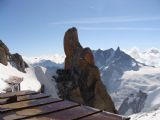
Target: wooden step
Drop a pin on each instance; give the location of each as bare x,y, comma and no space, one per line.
31,97
68,114
24,98
41,110
103,116
19,93
26,104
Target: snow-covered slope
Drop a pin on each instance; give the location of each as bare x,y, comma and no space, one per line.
153,115
153,100
33,79
44,76
45,67
29,82
147,80
151,111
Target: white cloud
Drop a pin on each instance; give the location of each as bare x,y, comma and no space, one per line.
149,57
99,20
119,28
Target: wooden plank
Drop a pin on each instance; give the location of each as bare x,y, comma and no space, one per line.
24,98
31,97
19,93
68,114
26,104
103,116
40,110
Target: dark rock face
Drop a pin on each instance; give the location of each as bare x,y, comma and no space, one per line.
103,58
134,102
4,53
80,80
17,61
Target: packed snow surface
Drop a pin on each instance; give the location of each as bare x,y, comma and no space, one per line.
153,115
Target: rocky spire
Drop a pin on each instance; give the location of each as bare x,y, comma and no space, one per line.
118,49
80,80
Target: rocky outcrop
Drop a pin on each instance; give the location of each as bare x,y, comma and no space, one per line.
4,53
17,61
134,103
80,80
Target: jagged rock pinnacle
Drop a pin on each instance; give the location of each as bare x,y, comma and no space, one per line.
80,80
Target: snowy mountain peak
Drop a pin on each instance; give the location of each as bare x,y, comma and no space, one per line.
118,49
103,57
112,64
114,57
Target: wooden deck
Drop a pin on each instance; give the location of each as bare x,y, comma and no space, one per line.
31,105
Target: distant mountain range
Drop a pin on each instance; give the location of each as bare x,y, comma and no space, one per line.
150,57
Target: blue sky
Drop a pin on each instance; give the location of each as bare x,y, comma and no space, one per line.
36,27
